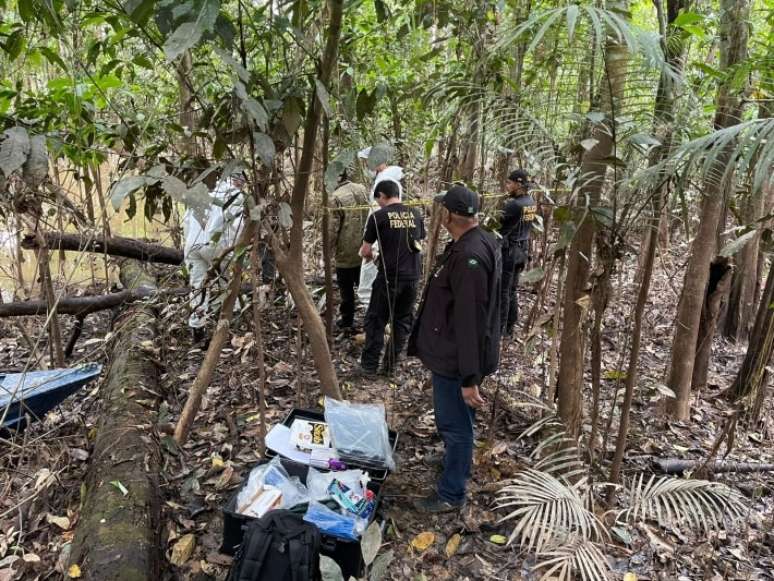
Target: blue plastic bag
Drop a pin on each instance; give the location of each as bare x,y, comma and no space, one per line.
332,523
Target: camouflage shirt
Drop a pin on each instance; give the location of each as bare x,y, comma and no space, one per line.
347,226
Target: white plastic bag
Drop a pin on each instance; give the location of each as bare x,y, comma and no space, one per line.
368,272
317,482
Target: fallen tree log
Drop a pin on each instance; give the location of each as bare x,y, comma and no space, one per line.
678,466
118,533
82,306
114,246
78,306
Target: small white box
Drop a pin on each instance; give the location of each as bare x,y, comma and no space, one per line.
266,499
309,435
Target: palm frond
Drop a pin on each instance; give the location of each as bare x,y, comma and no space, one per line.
714,157
699,504
566,464
558,454
546,510
520,399
509,124
600,24
578,558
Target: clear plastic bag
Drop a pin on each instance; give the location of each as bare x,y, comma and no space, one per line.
318,482
333,523
293,492
359,432
268,478
368,272
252,488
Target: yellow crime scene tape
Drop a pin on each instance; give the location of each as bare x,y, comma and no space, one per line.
411,203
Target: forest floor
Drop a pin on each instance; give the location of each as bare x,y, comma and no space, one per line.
38,513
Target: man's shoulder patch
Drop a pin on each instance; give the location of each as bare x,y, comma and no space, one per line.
473,263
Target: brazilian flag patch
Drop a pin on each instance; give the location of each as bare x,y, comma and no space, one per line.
472,263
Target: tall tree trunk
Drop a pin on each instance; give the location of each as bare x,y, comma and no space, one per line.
446,174
744,286
97,178
717,290
646,274
446,168
741,299
290,260
673,45
600,296
576,298
471,142
260,396
397,129
733,50
46,283
469,153
184,69
523,9
19,259
549,385
326,240
434,235
751,381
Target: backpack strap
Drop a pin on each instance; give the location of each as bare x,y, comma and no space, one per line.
303,545
298,559
312,539
254,549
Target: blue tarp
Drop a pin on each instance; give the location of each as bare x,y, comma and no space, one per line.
36,392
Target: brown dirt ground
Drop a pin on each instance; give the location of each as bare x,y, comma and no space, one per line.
42,469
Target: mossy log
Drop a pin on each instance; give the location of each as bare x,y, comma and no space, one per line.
118,533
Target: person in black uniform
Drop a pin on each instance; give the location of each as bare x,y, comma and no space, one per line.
398,230
457,337
518,216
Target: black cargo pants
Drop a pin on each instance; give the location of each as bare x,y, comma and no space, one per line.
514,260
393,300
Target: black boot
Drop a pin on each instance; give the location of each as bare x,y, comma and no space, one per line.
198,334
345,323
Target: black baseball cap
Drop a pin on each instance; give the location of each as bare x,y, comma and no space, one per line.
519,176
459,200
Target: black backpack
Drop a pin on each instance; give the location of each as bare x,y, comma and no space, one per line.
280,546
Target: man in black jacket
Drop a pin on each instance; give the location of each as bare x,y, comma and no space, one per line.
518,217
457,337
